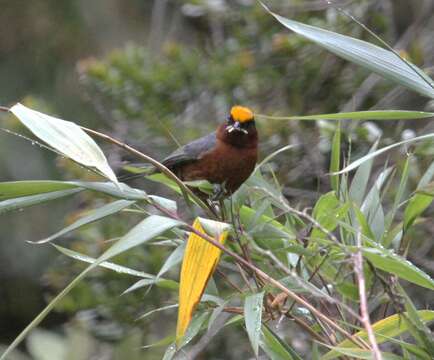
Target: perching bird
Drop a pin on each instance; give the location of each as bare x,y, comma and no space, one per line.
225,158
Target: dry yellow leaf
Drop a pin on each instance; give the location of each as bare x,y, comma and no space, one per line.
200,260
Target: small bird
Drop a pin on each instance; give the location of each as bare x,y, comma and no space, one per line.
225,158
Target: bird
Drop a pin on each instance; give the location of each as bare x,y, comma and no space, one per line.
225,158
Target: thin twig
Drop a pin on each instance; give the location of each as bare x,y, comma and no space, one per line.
229,281
261,274
364,312
277,284
185,190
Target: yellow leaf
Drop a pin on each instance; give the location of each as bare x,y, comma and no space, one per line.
384,329
200,260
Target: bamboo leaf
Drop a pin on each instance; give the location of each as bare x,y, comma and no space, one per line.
66,137
372,155
200,260
357,353
356,115
144,231
376,59
17,189
253,319
361,178
26,201
388,261
95,215
335,159
275,347
107,265
384,329
420,201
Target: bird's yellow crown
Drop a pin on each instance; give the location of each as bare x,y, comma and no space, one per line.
241,114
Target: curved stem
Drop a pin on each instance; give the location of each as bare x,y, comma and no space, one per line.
187,193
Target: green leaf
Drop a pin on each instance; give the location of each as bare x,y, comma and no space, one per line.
160,282
384,329
327,212
427,190
193,328
416,206
147,229
363,354
107,265
163,308
363,223
357,115
95,215
253,319
66,137
360,180
163,179
416,324
170,352
372,155
335,159
382,62
120,190
420,201
398,198
275,347
172,260
372,208
25,201
272,155
14,189
388,261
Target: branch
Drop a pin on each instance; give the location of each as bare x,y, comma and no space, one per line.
265,277
187,193
364,312
278,285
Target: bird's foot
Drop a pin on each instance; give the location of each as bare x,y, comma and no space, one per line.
218,192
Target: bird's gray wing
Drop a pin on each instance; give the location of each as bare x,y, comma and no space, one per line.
191,151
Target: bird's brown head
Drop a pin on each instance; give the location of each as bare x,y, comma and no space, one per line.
239,128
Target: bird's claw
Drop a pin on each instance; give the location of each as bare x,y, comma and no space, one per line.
218,192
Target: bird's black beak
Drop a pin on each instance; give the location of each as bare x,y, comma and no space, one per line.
236,126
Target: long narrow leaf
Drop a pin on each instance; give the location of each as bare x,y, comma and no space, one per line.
144,231
335,159
200,260
388,261
357,115
372,155
384,329
95,215
383,62
16,189
275,347
253,319
26,201
107,265
66,137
